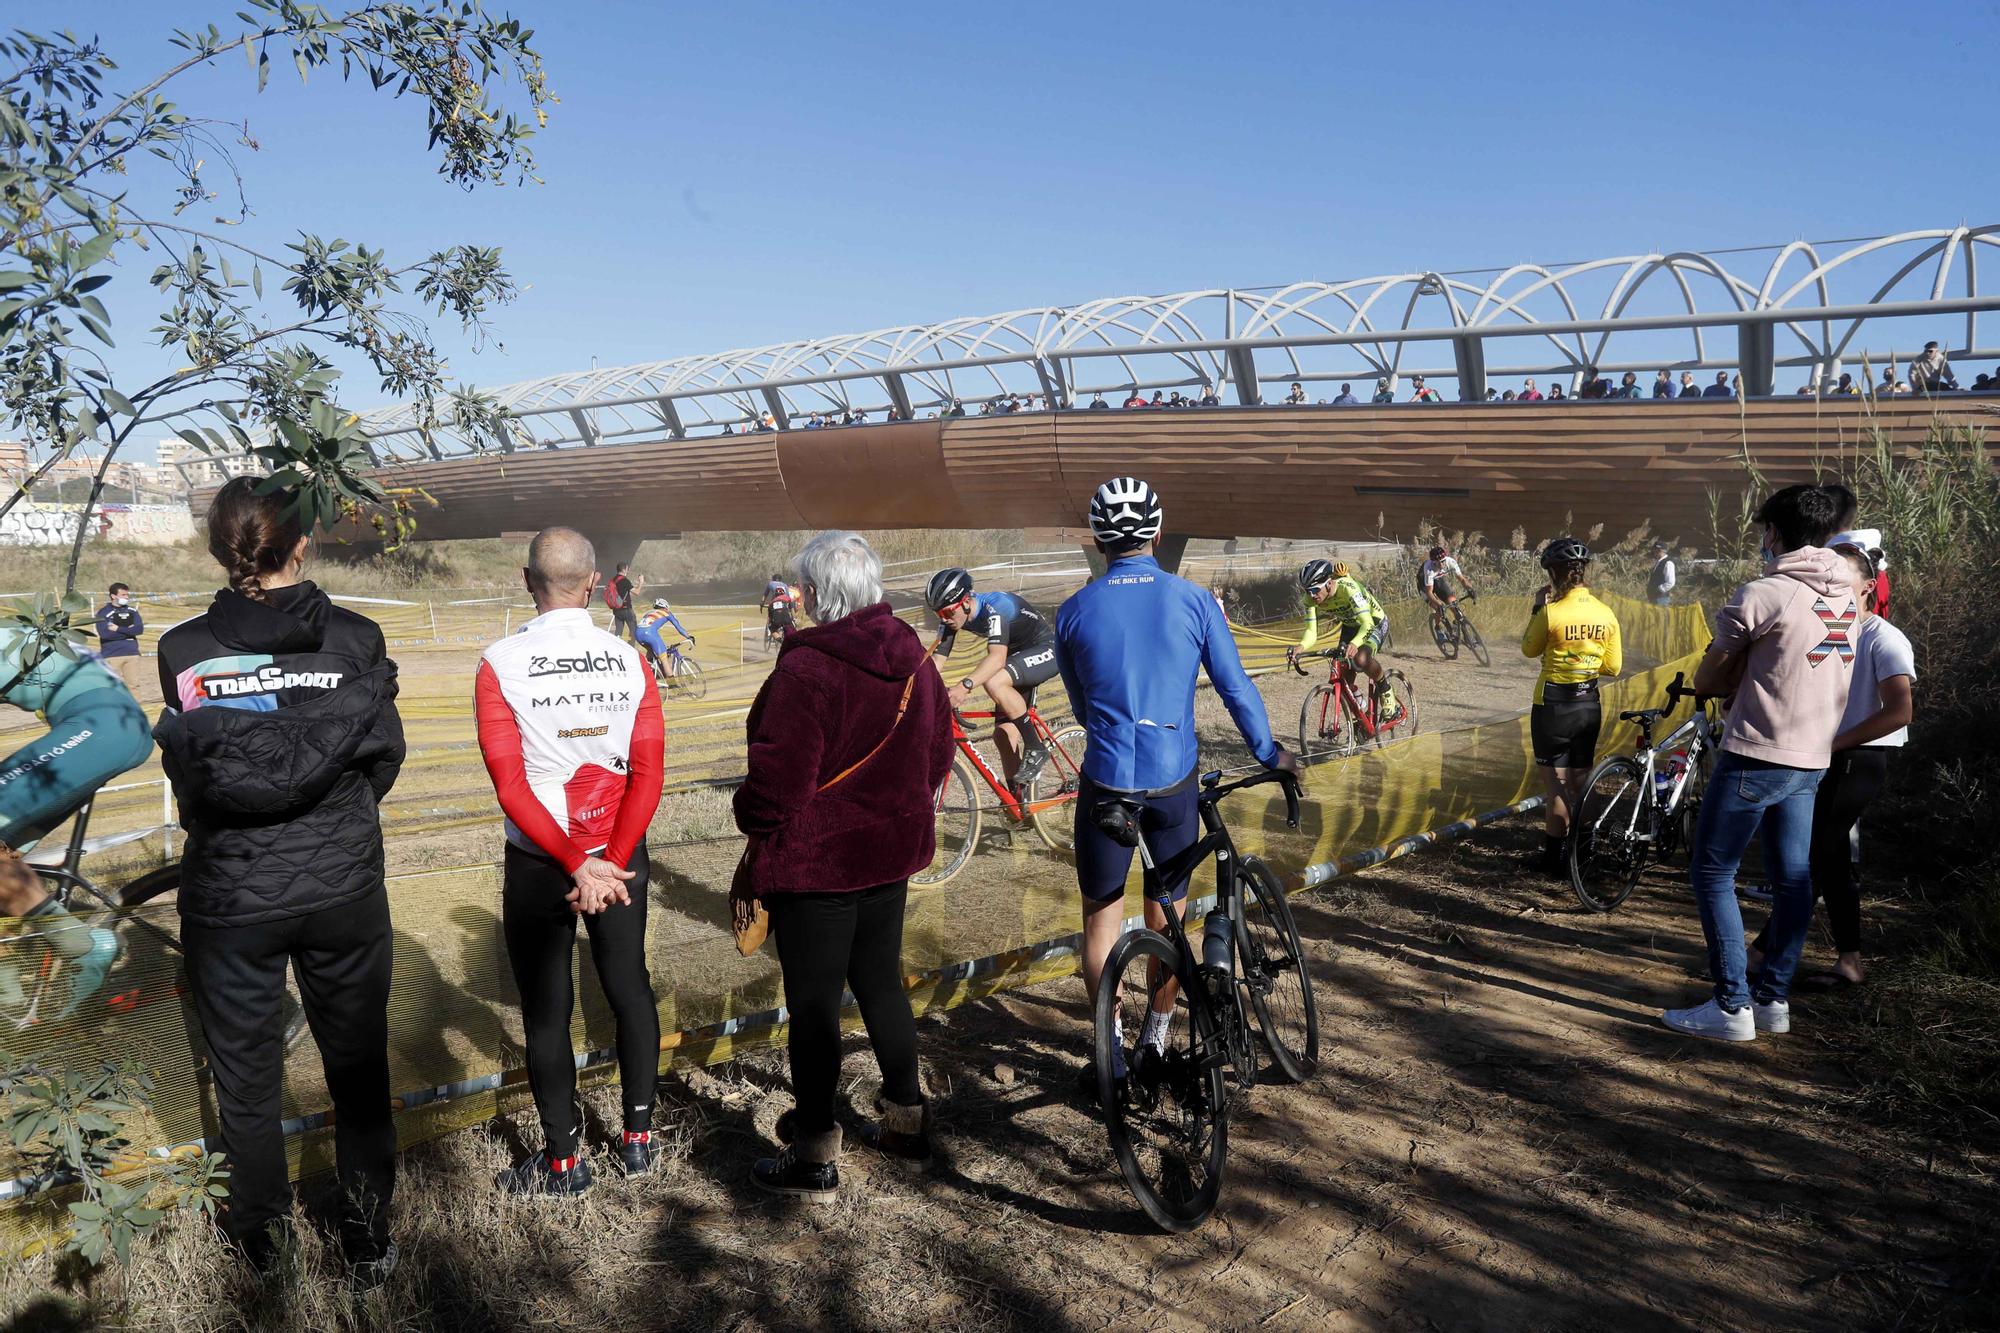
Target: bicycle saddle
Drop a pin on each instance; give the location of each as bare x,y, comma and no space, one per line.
1118,819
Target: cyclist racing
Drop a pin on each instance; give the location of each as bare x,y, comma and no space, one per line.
1433,582
780,607
651,631
96,730
1020,654
1131,645
1577,638
1362,623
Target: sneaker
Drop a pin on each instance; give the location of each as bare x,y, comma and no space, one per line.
537,1178
903,1134
637,1154
789,1174
1774,1018
372,1273
1712,1021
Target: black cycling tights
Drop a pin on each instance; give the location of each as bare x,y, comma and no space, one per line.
541,939
826,940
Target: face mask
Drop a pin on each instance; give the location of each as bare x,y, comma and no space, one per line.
121,601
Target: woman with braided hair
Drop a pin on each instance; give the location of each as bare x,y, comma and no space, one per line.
281,737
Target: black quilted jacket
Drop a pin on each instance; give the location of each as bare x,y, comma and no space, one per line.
280,737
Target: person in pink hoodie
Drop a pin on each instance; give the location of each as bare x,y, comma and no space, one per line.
1784,648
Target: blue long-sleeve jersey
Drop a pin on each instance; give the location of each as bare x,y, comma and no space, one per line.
652,636
1129,645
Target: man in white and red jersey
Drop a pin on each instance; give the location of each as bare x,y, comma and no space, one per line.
570,728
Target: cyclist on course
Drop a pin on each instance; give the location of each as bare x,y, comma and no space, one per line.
1131,644
1020,654
780,607
1433,581
96,731
1577,638
1362,624
652,625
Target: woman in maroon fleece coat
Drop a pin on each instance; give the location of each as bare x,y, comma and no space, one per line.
849,739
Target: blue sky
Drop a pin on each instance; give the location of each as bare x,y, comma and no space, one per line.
728,175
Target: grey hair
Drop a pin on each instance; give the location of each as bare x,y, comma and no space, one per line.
844,573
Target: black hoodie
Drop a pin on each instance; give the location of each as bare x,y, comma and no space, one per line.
280,737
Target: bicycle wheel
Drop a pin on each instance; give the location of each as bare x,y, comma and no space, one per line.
1061,777
1274,971
1607,848
957,825
1323,730
1445,636
1468,633
1406,695
1168,1122
1689,814
687,680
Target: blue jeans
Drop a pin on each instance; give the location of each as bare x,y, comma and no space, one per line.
1744,798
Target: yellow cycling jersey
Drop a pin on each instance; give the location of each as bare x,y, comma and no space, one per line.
1576,636
1350,605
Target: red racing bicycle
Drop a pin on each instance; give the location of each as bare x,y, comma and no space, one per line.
1333,721
1044,806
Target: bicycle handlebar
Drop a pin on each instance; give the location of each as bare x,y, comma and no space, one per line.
1677,691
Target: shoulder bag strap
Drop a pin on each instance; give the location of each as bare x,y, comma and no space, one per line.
909,687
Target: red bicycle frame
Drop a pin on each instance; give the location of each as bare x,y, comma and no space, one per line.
1017,808
1341,676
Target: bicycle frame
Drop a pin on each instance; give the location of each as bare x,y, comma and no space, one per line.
1341,674
1699,733
1015,806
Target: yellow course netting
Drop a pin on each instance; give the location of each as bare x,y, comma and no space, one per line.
456,1053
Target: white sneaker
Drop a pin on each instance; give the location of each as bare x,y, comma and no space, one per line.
1712,1021
1775,1017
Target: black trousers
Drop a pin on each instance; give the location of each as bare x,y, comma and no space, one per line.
831,941
341,958
1852,782
625,623
541,943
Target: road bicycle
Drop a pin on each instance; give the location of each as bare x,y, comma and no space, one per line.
93,905
1333,721
1639,810
1044,806
680,673
1451,630
1168,1117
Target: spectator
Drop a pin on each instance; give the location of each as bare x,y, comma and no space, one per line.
1982,383
1136,400
1529,393
1493,394
619,590
1346,398
279,783
958,407
1660,583
1931,373
852,703
1507,397
1688,387
1556,394
1209,397
576,765
728,429
1874,725
119,626
1421,392
1628,387
860,417
1159,399
1384,393
1297,396
1888,385
1719,389
1845,388
1594,386
1175,399
1782,648
1805,391
1663,384
1097,403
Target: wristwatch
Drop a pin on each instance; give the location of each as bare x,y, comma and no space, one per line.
966,684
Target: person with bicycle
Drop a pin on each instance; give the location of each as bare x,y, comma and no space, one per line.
1433,584
576,755
281,738
1130,646
780,606
1361,620
1578,640
1020,655
96,730
652,633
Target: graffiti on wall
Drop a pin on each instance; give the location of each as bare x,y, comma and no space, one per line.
55,525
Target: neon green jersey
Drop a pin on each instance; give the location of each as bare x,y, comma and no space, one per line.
1349,606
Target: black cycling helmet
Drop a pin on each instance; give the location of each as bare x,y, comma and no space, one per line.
1314,573
948,587
1440,551
1125,512
1564,552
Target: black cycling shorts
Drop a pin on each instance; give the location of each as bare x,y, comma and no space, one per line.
1170,822
1565,734
1032,666
1375,633
778,617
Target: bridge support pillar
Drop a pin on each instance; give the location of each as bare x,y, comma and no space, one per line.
1470,356
1756,357
613,548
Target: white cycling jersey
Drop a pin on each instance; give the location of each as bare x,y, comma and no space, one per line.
1433,570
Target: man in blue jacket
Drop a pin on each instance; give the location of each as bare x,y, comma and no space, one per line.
1130,645
118,629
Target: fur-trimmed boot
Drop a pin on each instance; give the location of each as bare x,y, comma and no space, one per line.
803,1169
903,1134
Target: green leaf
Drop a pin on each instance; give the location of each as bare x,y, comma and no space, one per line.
263,70
119,403
102,334
13,278
257,279
193,437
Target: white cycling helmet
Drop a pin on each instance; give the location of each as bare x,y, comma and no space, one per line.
1124,511
660,604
